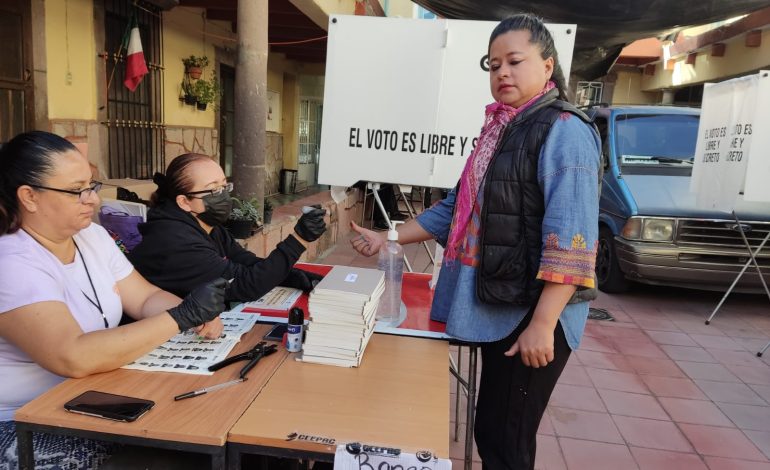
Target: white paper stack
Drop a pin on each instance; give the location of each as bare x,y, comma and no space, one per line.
342,316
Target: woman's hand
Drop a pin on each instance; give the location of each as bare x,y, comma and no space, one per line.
311,224
202,305
366,242
535,344
303,280
211,330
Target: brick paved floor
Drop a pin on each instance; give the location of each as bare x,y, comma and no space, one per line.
654,390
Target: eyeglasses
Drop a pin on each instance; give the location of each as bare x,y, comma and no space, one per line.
82,195
214,192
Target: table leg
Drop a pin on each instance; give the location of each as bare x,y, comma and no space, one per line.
472,350
233,458
25,448
457,393
219,460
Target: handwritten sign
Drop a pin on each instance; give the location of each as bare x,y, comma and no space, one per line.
356,456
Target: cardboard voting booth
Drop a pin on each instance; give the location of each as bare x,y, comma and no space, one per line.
404,99
732,156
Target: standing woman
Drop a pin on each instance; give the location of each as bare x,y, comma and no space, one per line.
520,232
63,286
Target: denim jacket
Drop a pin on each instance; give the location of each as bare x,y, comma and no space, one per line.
567,172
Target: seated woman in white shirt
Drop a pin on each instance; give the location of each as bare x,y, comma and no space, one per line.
63,286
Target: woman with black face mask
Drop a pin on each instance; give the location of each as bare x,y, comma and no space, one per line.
184,243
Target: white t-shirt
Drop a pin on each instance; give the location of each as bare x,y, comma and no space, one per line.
29,274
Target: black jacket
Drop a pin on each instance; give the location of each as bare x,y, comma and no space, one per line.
177,255
512,214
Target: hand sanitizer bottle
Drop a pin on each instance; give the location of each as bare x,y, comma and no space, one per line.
391,261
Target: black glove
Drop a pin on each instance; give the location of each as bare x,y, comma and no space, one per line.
311,225
201,305
303,280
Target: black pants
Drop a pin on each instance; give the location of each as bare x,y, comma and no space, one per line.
512,399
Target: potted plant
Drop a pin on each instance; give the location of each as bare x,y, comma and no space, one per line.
243,217
193,65
188,90
268,215
207,91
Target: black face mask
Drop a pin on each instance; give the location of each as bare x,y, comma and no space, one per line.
216,209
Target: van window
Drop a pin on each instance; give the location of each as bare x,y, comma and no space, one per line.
656,139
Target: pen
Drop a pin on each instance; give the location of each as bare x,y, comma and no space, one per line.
203,391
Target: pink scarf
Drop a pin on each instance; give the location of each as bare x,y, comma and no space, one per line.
497,117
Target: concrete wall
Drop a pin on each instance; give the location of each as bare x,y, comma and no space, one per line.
627,89
182,37
180,140
70,59
738,60
398,8
311,87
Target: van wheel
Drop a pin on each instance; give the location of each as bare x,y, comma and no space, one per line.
608,274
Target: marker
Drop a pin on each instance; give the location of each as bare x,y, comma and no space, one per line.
203,391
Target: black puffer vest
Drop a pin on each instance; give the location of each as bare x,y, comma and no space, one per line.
513,208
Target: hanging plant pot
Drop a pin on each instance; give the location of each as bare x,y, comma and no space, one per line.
190,99
267,217
194,72
239,228
201,106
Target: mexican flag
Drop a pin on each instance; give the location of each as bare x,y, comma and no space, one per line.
136,68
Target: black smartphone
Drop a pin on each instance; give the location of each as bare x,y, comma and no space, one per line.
276,332
109,406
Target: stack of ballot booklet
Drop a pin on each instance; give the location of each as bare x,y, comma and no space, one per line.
342,316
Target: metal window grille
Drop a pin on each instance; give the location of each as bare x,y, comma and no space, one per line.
588,93
309,130
134,119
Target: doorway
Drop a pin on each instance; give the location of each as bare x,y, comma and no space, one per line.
16,86
310,112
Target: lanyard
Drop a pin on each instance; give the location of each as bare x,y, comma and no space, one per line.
96,303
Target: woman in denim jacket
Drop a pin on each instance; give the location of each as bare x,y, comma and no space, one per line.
524,346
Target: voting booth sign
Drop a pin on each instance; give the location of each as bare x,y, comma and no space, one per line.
732,155
404,98
732,159
757,187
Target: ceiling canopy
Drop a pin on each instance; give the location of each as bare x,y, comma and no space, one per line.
604,26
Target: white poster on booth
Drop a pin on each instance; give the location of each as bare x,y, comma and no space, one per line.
724,140
404,99
757,186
